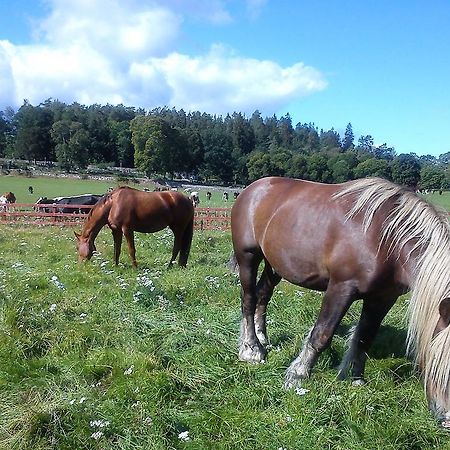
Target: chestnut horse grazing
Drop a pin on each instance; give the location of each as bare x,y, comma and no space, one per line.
126,210
367,239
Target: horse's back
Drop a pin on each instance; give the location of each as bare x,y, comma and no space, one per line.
300,228
149,211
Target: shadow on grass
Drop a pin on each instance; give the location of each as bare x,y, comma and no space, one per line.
389,342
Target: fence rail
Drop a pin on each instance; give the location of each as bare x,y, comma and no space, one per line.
52,214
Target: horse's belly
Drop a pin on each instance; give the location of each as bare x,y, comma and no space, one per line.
295,268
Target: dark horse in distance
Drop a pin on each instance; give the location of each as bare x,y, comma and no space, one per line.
126,210
366,239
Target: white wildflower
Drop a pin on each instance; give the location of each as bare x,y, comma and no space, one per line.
301,391
99,423
129,371
82,399
52,307
97,435
200,321
184,436
56,282
148,421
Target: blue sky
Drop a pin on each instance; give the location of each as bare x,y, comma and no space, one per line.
384,66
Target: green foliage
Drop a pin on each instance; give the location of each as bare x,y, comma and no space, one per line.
94,356
432,177
406,170
33,139
349,137
373,167
231,149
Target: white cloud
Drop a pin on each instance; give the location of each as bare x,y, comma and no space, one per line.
124,51
223,82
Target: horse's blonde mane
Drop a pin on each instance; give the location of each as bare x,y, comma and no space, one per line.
412,219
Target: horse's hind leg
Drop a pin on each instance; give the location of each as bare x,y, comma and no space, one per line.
129,236
250,349
117,237
373,312
177,241
186,241
335,304
264,290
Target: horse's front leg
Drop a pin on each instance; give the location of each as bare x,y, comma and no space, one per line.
250,349
335,304
129,236
117,237
373,312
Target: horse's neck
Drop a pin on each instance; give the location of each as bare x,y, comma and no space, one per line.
96,221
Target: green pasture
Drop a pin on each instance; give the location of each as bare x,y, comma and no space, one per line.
94,356
66,186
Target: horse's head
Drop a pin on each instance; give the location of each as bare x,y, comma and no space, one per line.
440,398
85,247
10,197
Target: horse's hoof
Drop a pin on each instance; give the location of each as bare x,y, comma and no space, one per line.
294,380
252,353
291,382
358,382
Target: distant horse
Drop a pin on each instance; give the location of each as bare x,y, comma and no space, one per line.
7,199
195,199
126,210
367,239
83,199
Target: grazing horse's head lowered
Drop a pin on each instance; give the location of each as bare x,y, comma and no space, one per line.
367,239
126,210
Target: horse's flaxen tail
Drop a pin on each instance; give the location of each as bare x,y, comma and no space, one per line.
186,243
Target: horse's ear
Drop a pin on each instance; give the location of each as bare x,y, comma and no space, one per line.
444,311
77,235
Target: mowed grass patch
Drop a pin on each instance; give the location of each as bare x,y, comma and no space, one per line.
94,356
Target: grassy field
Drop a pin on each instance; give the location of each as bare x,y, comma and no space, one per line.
55,187
94,356
58,186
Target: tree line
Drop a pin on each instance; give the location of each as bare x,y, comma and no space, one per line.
231,149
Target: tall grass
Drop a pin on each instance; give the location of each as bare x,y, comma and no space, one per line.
94,356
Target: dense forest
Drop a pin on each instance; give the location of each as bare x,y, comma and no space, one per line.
232,149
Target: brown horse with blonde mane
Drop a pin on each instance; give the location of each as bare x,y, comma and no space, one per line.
126,210
366,239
